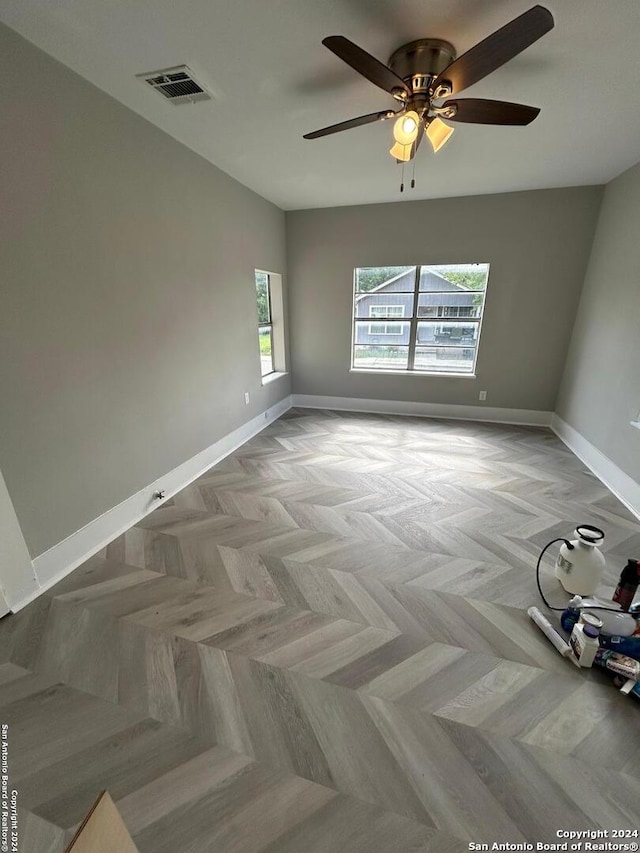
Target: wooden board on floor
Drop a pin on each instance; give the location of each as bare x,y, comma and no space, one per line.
102,831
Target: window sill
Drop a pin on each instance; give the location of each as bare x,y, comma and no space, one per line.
416,373
271,377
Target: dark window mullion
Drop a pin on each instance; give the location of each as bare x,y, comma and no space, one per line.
413,329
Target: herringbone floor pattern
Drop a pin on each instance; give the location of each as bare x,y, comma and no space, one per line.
322,645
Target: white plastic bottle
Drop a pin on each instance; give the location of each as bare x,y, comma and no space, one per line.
579,568
584,642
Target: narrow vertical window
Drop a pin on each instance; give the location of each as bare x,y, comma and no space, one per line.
265,322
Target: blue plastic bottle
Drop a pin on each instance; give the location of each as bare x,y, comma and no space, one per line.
571,615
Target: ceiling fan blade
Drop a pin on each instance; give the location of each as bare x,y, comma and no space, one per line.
365,64
480,111
354,122
496,49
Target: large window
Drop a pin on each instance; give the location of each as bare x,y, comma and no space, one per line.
441,307
265,322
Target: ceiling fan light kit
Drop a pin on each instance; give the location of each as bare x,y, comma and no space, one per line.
405,130
438,133
401,153
422,73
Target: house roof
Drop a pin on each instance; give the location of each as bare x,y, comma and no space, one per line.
386,284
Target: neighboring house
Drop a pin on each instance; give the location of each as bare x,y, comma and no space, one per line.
438,299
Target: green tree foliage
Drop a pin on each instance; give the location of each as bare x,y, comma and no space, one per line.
265,343
262,297
370,277
472,279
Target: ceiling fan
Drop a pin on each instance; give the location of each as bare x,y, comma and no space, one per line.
422,74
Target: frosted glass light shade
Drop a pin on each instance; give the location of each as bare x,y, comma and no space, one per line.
405,130
438,133
401,152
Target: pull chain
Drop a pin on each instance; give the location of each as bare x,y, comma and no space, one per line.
413,176
402,179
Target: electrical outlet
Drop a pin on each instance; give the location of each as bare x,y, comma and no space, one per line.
246,398
483,395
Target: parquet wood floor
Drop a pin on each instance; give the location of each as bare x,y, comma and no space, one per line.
322,645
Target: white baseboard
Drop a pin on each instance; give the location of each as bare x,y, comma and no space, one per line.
622,485
54,564
523,417
4,607
27,592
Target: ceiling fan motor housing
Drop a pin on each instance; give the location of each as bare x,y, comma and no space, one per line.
419,62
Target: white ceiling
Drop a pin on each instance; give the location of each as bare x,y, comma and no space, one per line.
273,81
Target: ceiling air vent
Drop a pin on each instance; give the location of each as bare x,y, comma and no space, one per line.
177,85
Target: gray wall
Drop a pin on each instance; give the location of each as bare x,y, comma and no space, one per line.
127,305
537,243
600,392
17,578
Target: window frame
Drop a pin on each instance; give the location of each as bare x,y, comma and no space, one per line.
268,325
414,319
